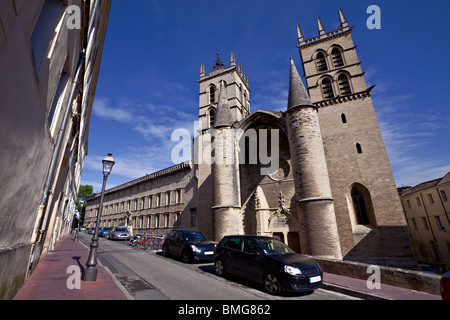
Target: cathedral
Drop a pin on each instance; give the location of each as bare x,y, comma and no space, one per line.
315,175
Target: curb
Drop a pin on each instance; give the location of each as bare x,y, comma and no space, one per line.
352,292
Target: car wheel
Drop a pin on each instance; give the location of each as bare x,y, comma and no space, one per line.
185,256
165,251
272,284
219,268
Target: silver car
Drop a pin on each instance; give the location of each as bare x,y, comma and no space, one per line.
119,233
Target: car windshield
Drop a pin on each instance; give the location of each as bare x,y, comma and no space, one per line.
273,246
121,229
194,236
106,229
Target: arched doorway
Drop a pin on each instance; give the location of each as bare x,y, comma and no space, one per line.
362,205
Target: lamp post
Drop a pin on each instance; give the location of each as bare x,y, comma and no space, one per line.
90,273
77,229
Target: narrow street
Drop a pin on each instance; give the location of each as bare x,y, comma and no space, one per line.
147,275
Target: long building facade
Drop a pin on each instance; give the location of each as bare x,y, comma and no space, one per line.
50,53
427,211
316,175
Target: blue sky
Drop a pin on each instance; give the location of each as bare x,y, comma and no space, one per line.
153,51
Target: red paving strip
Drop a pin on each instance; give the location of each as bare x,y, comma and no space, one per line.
385,291
50,278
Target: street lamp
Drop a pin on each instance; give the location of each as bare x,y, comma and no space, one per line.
90,273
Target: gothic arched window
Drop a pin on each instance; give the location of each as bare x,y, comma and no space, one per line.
327,89
321,62
212,94
212,117
336,57
344,84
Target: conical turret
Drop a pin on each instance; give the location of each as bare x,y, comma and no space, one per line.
315,208
224,117
298,96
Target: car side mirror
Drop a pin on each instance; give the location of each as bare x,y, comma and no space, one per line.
255,252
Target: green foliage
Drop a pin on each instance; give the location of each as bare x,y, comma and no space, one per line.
83,193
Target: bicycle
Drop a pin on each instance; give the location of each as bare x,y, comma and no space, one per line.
146,242
157,243
153,243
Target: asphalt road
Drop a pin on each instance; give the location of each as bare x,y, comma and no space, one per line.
147,275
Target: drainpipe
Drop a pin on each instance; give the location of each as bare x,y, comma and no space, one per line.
47,196
94,13
66,116
54,238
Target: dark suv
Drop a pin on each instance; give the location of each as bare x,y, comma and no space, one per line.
189,245
268,261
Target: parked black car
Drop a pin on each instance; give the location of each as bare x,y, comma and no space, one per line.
268,261
189,245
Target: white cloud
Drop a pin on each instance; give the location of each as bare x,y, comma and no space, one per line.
102,108
274,95
151,150
411,131
408,134
130,165
152,122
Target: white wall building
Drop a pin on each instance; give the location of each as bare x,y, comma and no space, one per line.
50,53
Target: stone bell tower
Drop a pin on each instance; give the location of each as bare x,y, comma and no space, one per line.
238,92
314,202
369,215
224,101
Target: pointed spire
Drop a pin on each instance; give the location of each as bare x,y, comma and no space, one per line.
223,114
320,25
300,35
233,60
343,20
202,70
298,96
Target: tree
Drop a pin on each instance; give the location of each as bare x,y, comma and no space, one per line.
83,193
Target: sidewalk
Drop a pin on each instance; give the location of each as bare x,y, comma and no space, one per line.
358,288
49,281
